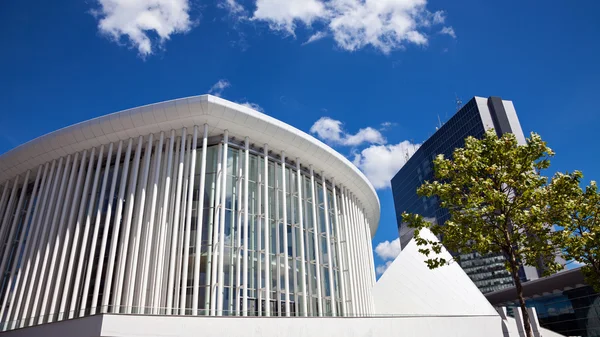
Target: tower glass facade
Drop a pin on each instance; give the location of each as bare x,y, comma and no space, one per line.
473,119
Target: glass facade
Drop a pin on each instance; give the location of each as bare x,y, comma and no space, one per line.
573,312
169,225
487,272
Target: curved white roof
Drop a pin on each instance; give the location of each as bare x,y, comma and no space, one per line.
220,115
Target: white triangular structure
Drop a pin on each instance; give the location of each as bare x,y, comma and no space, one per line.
409,287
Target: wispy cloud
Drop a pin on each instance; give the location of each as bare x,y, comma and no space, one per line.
232,6
448,31
253,106
315,37
387,125
136,21
218,88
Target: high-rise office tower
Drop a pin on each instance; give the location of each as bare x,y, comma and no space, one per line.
473,119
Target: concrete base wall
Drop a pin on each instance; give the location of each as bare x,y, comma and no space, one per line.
181,326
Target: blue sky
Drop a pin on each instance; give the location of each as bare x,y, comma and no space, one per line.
388,68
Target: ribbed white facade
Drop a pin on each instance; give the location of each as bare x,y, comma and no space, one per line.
198,206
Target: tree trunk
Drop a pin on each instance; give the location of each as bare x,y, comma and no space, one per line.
525,314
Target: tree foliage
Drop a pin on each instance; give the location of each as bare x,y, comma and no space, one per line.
498,204
497,200
577,211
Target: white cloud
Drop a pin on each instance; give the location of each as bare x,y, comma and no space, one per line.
284,14
366,135
381,162
448,31
380,269
439,17
387,250
387,125
253,106
315,37
327,129
385,25
330,130
232,6
218,88
138,20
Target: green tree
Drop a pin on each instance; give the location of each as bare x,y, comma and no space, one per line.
578,212
497,200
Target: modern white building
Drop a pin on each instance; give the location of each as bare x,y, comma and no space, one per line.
196,206
157,220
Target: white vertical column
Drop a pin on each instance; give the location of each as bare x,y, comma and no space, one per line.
68,206
303,289
30,246
309,239
276,237
171,226
46,240
370,262
238,244
115,234
316,241
135,267
177,196
354,247
371,258
164,222
267,232
340,259
13,226
63,227
124,241
349,253
360,244
136,231
8,210
188,222
199,223
148,237
156,253
3,198
181,227
113,263
368,273
259,239
84,240
245,228
213,258
365,257
42,221
98,218
286,273
221,280
358,255
147,254
329,245
82,201
10,286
